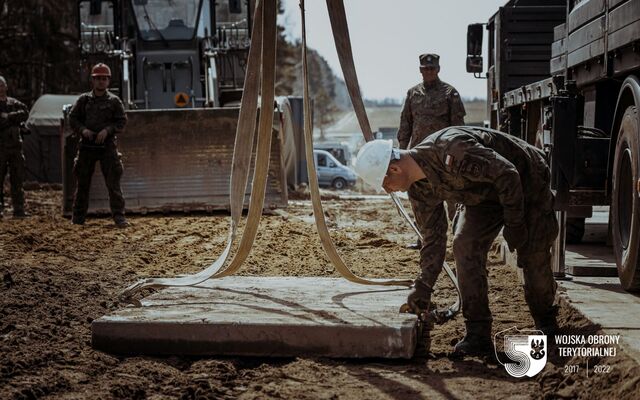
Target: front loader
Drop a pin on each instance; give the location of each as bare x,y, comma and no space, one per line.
179,68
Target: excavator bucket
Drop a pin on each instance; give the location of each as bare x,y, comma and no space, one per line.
177,160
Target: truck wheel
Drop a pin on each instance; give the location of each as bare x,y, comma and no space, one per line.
339,184
625,204
575,230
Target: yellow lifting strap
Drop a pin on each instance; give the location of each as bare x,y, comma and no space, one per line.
262,51
318,212
261,60
340,28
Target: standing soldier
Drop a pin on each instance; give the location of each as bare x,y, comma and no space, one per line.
96,117
430,106
501,182
12,114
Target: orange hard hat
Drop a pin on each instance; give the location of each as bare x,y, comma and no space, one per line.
101,70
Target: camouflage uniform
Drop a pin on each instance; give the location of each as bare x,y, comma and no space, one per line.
497,180
96,113
428,108
11,156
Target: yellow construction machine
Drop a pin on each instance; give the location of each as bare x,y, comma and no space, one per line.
179,68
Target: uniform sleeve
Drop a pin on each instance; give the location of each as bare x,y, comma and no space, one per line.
406,124
456,109
77,115
432,223
478,163
18,116
119,117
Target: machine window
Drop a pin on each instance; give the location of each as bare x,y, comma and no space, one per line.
167,19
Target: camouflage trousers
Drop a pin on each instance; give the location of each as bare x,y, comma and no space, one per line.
12,161
83,168
475,229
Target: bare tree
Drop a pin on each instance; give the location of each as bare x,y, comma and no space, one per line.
38,47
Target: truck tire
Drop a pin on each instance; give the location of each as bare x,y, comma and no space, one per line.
625,202
575,230
339,184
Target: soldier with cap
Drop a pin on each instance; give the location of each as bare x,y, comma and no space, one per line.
12,114
430,106
97,117
501,182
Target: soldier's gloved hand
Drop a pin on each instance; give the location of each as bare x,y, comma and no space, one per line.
419,299
4,115
515,235
102,135
87,133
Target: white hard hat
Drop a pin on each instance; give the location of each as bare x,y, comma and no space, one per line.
372,162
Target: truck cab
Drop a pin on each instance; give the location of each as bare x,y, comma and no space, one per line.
564,75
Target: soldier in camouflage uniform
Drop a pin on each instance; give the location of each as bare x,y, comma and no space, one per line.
97,117
499,181
430,106
12,114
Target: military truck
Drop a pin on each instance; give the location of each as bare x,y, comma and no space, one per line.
179,67
565,75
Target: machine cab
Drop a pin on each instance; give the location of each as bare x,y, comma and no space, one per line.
169,54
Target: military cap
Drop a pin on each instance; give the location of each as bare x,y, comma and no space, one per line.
429,60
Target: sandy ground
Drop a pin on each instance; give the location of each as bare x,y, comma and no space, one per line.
57,278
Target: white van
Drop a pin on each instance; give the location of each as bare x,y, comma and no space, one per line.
331,172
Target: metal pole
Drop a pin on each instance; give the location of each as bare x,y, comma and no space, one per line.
558,248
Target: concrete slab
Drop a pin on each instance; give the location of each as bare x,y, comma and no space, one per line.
264,316
603,302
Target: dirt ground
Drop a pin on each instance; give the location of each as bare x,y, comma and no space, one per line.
57,278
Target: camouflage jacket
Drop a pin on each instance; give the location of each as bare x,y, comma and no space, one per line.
427,109
10,126
476,167
97,113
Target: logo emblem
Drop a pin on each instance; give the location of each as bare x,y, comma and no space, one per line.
527,353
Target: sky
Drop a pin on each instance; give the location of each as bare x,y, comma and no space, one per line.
387,36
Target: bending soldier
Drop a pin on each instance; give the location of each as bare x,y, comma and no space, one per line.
12,114
500,181
97,117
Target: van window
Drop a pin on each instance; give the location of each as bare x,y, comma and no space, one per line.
338,153
322,160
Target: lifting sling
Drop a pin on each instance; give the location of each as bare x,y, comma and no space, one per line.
260,77
340,28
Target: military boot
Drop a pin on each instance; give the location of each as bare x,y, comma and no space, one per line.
20,214
477,340
77,219
547,324
120,220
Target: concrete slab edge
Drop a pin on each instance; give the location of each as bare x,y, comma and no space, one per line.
260,341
